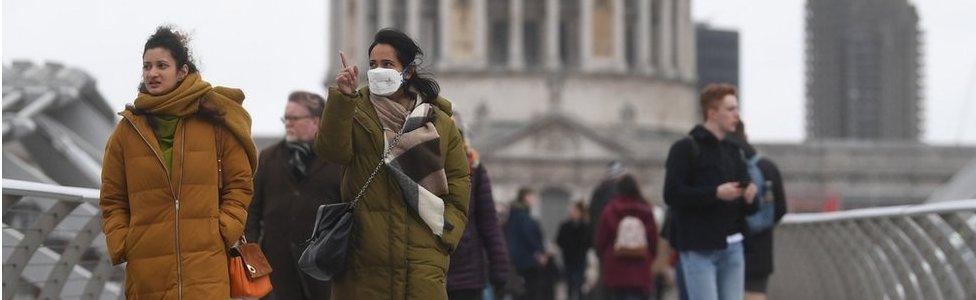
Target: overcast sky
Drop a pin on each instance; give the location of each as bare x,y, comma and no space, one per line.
269,50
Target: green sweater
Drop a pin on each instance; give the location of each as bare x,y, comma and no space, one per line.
165,131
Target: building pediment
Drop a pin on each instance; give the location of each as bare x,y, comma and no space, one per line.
557,137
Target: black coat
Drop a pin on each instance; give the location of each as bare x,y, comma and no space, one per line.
282,214
759,247
574,240
701,221
602,194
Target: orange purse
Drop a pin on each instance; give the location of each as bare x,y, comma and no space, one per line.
248,267
249,271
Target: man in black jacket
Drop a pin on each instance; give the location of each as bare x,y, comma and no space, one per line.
708,189
289,186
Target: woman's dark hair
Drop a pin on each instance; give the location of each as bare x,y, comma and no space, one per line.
627,186
524,193
176,42
173,41
739,137
411,56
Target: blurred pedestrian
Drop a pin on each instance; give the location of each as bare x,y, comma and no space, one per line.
526,245
627,242
482,251
759,243
290,185
604,192
574,241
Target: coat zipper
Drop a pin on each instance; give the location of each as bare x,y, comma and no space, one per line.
179,255
179,261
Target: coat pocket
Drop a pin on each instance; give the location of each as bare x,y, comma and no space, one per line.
119,253
218,238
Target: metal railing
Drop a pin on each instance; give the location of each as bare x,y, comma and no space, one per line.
53,247
906,252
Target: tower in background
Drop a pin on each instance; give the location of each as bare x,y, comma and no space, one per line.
718,56
863,70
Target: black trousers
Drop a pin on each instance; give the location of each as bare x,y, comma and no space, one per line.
534,284
465,294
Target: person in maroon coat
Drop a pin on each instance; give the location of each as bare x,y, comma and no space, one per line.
482,240
626,276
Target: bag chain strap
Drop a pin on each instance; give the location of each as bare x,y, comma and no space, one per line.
376,170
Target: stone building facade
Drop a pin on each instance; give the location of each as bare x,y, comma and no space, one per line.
552,91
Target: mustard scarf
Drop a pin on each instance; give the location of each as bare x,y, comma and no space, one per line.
185,100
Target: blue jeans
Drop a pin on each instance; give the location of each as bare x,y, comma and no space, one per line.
714,275
680,280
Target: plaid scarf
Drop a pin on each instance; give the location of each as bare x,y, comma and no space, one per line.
416,161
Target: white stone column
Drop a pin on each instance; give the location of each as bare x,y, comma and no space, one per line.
643,38
336,31
443,10
665,40
619,61
516,59
472,18
551,57
385,14
363,38
686,42
586,34
413,20
481,34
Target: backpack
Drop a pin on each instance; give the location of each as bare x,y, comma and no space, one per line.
668,227
762,219
631,240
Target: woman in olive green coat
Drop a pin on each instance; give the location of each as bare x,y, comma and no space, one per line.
400,246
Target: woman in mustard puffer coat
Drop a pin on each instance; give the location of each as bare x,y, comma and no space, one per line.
172,204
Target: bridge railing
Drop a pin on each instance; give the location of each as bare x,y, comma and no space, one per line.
53,247
923,251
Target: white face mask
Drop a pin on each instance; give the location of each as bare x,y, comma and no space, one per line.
384,82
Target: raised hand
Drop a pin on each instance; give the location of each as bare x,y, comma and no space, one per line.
348,77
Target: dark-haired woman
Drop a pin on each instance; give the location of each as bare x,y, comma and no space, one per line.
414,211
758,252
626,272
176,178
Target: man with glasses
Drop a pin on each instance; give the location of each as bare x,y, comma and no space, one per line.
289,186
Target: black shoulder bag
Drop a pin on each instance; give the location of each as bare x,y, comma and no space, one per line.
326,251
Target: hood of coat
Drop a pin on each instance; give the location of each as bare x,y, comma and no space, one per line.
628,206
702,135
